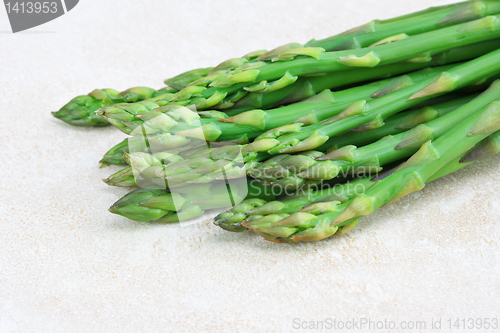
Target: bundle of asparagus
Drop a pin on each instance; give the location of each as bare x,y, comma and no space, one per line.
297,141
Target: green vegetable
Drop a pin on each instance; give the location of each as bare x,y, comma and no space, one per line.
249,210
411,24
301,119
363,111
310,137
451,148
374,32
382,152
80,111
160,205
148,117
370,158
275,84
296,61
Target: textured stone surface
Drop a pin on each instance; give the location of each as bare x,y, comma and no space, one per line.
67,265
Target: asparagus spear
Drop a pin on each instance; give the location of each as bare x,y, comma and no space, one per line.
163,142
397,123
415,23
409,177
248,125
159,205
129,117
363,112
126,176
287,167
382,107
123,178
393,125
307,86
430,130
212,132
177,119
426,20
280,68
80,111
363,36
351,159
249,210
312,136
252,210
115,154
183,80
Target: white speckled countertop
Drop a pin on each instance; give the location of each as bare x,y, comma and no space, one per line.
67,265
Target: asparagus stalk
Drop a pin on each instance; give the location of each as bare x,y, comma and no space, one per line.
122,178
312,136
393,125
307,86
177,119
430,19
351,159
409,177
80,111
294,170
127,118
163,142
297,169
357,114
255,209
115,154
185,79
213,132
160,205
315,201
380,149
360,37
415,23
279,69
249,124
397,123
363,112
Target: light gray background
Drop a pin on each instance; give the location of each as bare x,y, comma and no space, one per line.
67,265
